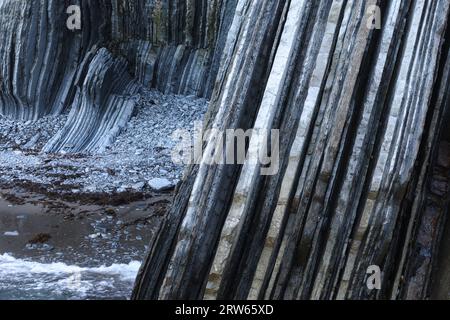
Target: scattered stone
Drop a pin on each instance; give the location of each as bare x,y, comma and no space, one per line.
46,247
160,184
138,186
11,234
33,141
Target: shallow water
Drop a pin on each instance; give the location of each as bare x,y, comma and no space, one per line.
89,254
22,279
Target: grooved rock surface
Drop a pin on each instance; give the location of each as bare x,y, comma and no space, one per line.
359,173
47,69
102,107
363,176
39,57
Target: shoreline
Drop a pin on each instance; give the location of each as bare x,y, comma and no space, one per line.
56,229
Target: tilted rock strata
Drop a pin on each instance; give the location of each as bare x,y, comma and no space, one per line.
39,57
355,186
363,171
103,105
172,46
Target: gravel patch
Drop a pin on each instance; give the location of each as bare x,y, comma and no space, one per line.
141,154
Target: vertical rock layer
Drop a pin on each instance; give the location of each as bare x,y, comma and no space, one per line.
102,106
174,46
40,56
363,157
363,172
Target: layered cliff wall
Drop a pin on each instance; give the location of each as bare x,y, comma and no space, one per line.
40,57
174,46
361,107
363,173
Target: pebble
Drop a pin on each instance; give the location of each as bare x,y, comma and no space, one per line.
11,234
160,184
138,186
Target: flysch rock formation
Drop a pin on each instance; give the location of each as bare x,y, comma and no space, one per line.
47,69
364,159
101,108
360,102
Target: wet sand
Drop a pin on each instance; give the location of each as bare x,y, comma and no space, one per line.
34,227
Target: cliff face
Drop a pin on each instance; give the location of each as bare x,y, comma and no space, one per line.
364,154
363,179
39,58
48,69
173,45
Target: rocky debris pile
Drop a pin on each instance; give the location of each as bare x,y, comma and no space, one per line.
28,135
147,141
140,159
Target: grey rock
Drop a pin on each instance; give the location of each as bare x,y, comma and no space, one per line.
138,186
360,114
160,184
